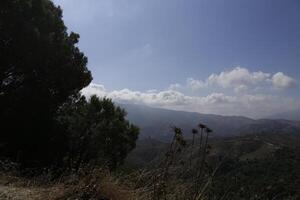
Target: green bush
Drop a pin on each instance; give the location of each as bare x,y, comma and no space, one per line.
98,132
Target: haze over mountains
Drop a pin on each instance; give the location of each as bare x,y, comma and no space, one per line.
156,123
291,115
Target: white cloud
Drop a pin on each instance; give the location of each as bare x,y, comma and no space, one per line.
241,89
241,81
259,105
238,78
94,89
152,91
163,98
195,84
282,81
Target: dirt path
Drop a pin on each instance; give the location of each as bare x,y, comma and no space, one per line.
27,193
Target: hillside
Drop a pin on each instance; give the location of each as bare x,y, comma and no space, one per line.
156,123
261,166
248,147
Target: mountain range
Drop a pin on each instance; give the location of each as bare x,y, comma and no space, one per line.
156,123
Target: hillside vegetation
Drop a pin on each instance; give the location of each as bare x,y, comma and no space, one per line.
263,166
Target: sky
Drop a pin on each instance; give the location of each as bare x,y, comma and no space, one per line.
229,57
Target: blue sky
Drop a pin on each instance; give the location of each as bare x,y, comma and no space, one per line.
218,53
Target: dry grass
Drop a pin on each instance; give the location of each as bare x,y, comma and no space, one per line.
114,191
87,184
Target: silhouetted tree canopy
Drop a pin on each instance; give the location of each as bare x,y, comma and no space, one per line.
40,68
98,132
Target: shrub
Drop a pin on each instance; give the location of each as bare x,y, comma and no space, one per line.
97,132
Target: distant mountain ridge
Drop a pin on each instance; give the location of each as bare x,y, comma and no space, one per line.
156,123
291,115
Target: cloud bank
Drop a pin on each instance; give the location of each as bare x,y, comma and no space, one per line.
247,104
240,79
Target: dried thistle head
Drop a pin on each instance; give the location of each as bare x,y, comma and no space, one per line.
177,131
194,131
201,126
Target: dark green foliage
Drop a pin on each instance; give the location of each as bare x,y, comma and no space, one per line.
98,132
261,167
40,67
276,177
